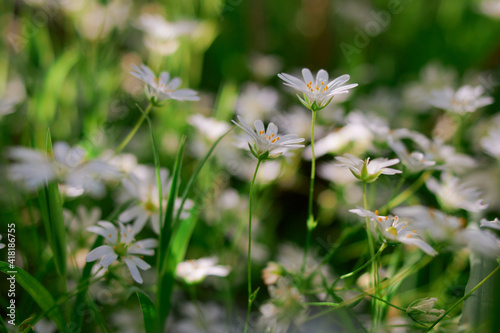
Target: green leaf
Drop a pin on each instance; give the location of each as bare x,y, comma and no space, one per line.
181,236
38,292
148,312
51,209
166,228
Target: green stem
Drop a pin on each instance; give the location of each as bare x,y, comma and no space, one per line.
373,259
403,196
250,244
134,130
310,217
463,298
382,248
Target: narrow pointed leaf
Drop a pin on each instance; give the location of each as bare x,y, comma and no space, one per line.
38,292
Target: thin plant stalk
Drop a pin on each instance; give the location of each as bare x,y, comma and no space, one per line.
372,258
250,300
310,216
135,129
403,196
463,298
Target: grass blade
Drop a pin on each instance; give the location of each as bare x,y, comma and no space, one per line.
148,312
165,234
195,174
38,292
181,236
51,209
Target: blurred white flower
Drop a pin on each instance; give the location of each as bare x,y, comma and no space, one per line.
142,185
2,245
156,26
438,225
123,246
256,103
297,120
271,273
466,99
415,161
162,37
434,76
445,156
367,171
454,194
163,87
317,92
211,128
391,228
96,21
491,142
359,133
268,144
264,65
284,308
14,94
69,166
195,271
31,167
490,8
480,241
495,224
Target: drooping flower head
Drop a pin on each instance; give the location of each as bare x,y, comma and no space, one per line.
393,229
318,92
163,87
268,144
367,171
123,246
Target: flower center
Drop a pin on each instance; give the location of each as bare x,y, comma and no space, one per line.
392,231
121,249
318,88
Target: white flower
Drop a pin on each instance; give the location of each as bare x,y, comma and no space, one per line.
163,87
490,8
433,76
69,166
491,142
391,228
480,241
466,99
437,224
317,92
211,128
158,27
367,171
445,156
256,103
415,161
31,167
14,93
2,245
123,246
284,308
495,224
195,271
142,186
456,195
268,144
